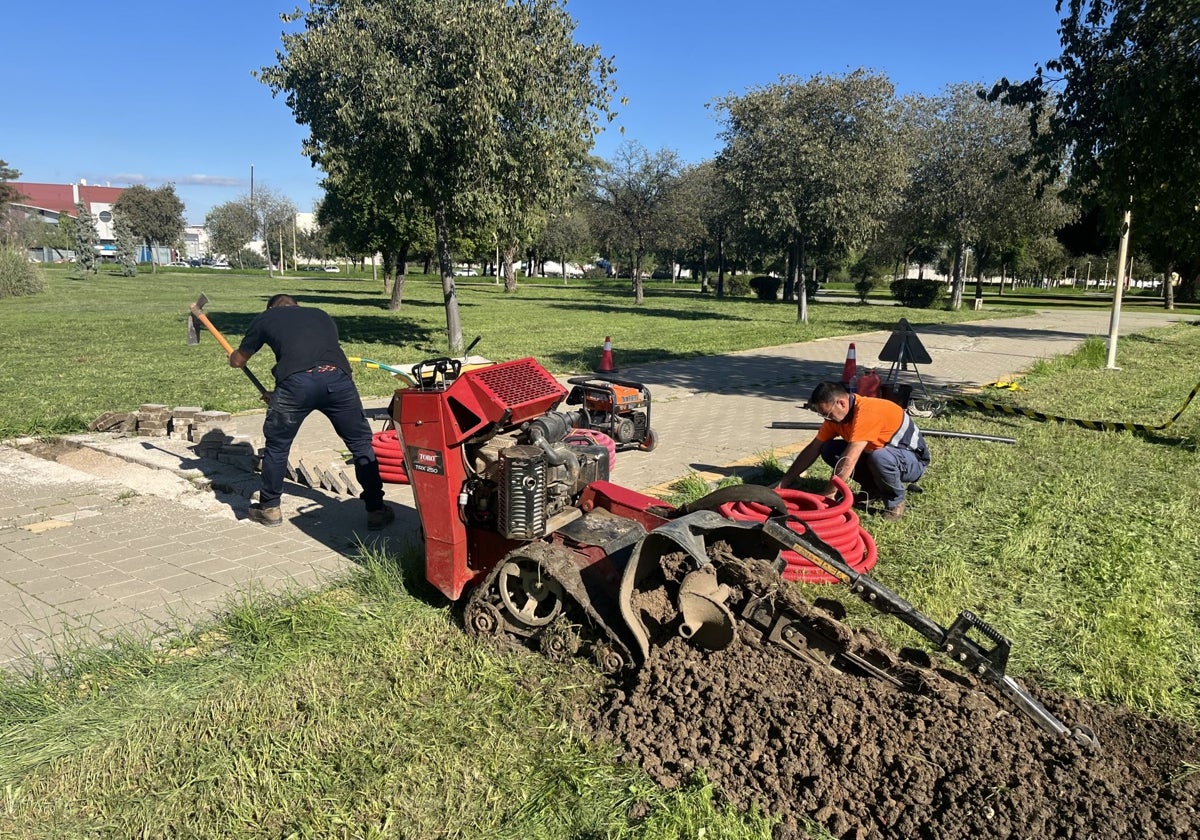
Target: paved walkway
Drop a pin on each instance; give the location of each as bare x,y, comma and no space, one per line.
129,534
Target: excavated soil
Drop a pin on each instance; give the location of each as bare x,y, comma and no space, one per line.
864,760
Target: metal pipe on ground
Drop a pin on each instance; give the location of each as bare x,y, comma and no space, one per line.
779,424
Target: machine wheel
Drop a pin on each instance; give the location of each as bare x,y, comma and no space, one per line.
529,595
482,619
608,659
559,642
651,441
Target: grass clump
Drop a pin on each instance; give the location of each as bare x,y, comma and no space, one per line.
18,276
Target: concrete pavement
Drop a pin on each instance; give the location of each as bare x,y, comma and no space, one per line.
102,534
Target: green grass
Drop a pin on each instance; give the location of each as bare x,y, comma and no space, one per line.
359,712
107,343
364,711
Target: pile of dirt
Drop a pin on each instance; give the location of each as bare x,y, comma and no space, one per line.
865,760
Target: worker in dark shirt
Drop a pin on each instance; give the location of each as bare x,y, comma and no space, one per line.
311,374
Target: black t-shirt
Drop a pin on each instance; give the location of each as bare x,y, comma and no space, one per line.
302,338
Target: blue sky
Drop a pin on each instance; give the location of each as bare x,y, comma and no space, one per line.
145,92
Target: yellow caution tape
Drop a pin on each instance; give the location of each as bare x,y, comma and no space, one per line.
1097,425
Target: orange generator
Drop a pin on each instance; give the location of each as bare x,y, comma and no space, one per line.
618,408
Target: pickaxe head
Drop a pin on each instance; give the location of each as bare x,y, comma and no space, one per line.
193,323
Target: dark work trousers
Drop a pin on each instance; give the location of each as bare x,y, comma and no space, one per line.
882,473
331,392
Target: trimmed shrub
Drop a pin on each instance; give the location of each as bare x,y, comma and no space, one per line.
18,276
595,273
737,285
918,294
766,287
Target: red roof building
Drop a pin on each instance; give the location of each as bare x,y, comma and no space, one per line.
49,201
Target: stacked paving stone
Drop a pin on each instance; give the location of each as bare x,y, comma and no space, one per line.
207,432
153,420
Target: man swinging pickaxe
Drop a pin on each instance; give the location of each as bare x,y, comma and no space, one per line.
193,337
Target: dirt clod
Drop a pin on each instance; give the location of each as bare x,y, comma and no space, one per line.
867,760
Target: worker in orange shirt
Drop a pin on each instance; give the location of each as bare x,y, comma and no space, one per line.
868,440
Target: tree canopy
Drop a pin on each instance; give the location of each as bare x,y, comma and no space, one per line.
478,110
154,215
816,163
1116,112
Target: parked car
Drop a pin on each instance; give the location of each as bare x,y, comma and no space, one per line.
465,272
180,264
221,265
332,269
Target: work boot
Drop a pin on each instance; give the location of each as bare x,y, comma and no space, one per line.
378,519
269,516
862,500
894,513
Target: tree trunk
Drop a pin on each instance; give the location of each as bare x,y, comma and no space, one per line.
956,278
387,269
721,267
801,290
508,257
401,268
790,274
1169,287
638,290
449,291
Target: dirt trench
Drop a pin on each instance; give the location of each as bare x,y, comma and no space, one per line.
864,760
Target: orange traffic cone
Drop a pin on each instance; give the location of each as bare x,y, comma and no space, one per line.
606,359
850,369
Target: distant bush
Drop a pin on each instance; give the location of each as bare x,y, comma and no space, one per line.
864,287
18,276
595,273
918,294
766,287
249,258
737,285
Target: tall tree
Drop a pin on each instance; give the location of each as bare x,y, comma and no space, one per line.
1122,118
275,215
365,217
86,239
230,226
968,188
127,246
816,164
479,109
635,197
154,215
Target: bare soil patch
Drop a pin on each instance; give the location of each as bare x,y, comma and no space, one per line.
865,760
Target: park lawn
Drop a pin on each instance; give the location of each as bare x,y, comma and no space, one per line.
364,711
109,343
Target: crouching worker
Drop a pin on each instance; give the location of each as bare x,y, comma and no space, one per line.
868,440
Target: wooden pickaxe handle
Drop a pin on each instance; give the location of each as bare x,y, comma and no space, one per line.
203,319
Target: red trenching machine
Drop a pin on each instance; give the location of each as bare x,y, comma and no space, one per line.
523,527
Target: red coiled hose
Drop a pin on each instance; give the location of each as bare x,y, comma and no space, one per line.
835,523
391,460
